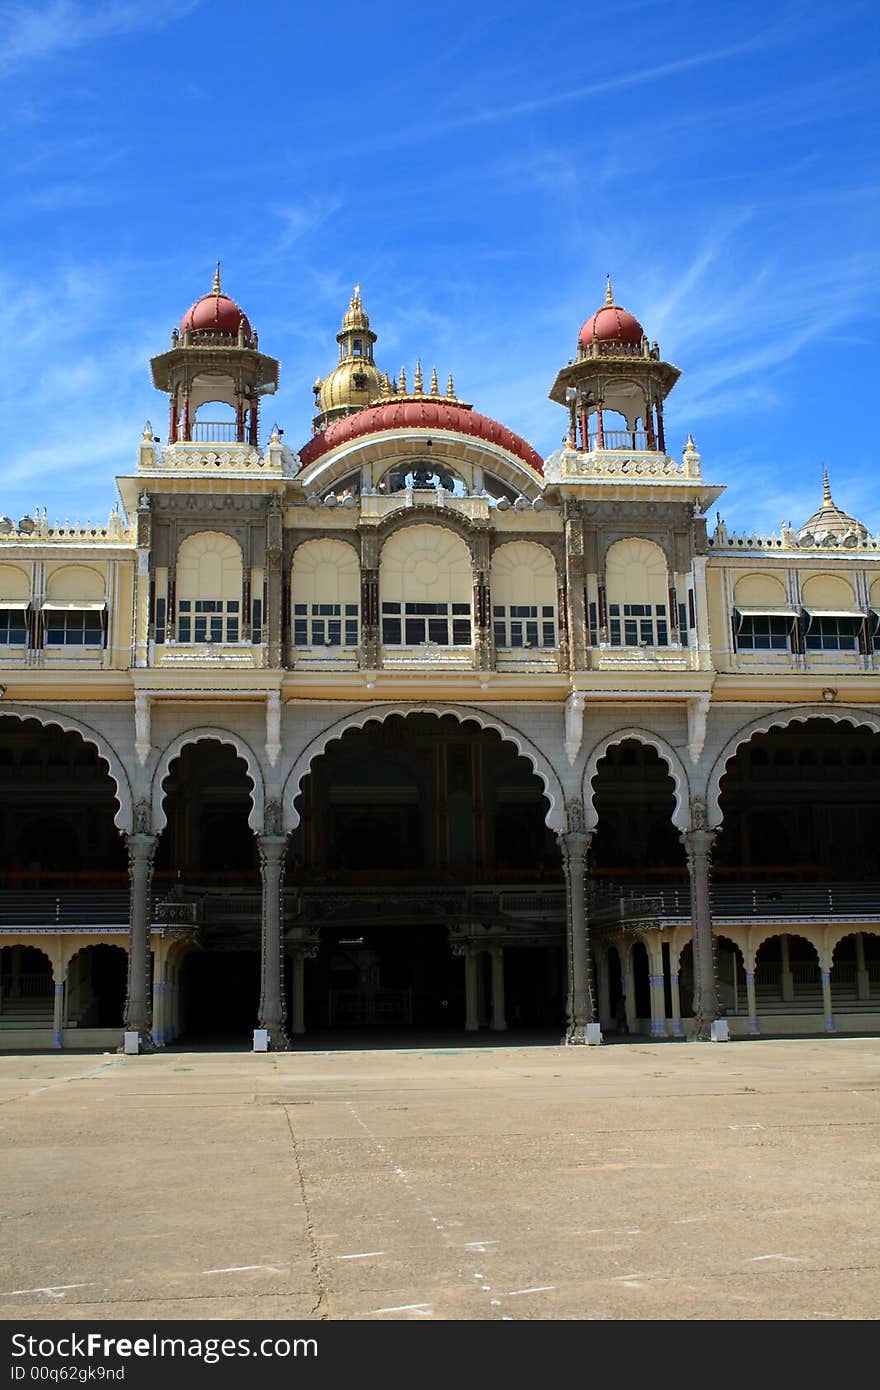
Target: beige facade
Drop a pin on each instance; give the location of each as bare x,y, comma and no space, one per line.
414,729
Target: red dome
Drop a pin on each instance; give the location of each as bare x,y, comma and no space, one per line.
216,313
428,413
611,324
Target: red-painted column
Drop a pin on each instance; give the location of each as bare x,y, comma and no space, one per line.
600,429
239,419
585,438
187,426
651,440
661,438
172,421
254,426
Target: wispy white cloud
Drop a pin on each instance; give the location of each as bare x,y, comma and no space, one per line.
31,33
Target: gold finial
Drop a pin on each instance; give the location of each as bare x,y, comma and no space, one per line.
450,388
826,490
435,388
215,288
355,301
403,380
609,297
384,385
417,383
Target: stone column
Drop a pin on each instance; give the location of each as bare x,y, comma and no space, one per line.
658,1005
471,990
698,843
499,1021
787,981
826,1001
752,1003
604,990
58,1012
160,1028
627,980
141,853
863,980
676,1003
580,1007
272,1017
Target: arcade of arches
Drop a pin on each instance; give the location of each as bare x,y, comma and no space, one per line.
422,889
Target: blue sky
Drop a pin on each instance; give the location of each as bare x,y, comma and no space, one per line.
478,169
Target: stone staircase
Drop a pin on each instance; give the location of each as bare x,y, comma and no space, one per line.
17,1014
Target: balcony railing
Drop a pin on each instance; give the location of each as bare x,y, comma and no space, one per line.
629,903
215,432
619,439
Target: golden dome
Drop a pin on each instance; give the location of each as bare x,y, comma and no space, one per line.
355,317
350,386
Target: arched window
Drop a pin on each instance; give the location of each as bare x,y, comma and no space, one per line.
209,588
762,620
523,596
15,593
426,588
325,595
74,611
832,619
637,595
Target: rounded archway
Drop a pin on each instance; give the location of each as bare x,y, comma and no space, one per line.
633,804
424,868
95,987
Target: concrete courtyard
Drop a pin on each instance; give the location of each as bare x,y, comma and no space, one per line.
640,1180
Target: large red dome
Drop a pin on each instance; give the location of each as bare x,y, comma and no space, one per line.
611,324
215,313
427,413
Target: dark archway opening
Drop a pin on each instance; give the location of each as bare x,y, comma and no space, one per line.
219,997
426,836
95,987
634,799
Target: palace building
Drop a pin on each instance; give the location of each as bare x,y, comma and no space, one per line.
414,729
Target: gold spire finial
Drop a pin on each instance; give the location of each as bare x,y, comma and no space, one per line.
356,297
417,383
609,297
215,288
826,490
435,388
450,388
402,380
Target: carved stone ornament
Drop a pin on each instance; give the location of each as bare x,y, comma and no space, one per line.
142,820
699,816
273,818
575,815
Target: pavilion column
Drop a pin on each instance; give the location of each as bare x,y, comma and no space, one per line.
675,992
600,428
471,990
141,854
580,1007
826,1001
698,843
658,1002
603,982
273,850
58,1004
499,1020
863,980
661,437
752,1002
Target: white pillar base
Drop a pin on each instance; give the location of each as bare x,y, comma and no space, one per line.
261,1040
594,1034
131,1044
719,1031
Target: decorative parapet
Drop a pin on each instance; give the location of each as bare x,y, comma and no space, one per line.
579,465
380,505
196,458
788,539
37,529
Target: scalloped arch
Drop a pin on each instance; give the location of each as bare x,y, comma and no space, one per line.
200,735
23,939
555,817
800,714
681,786
115,766
92,945
832,942
768,933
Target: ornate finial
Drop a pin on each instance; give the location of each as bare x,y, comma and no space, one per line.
826,490
403,380
435,388
450,388
417,382
215,288
609,297
384,385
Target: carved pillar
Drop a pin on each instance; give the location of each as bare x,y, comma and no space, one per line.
273,617
826,1001
141,854
482,602
580,1008
574,566
370,618
752,1002
661,437
172,418
658,1002
58,1006
676,1003
698,843
499,1020
273,848
471,990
